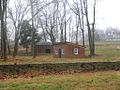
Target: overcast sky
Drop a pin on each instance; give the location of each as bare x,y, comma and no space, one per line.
108,14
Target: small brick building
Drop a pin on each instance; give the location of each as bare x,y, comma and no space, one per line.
44,48
68,50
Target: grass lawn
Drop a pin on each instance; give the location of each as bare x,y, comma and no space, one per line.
106,51
109,80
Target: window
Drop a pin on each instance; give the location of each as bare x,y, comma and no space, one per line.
48,51
56,52
75,51
62,51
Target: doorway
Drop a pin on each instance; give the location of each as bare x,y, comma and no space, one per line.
60,53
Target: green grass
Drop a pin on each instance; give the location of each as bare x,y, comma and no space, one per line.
109,80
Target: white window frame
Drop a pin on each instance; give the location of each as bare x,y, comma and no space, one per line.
62,51
76,51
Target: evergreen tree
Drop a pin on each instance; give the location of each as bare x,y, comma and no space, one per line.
25,34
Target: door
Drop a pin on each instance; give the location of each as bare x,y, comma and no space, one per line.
59,53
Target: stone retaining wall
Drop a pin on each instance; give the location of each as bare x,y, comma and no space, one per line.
57,68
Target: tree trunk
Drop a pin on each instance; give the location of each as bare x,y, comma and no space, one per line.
61,34
93,29
33,32
9,51
3,39
77,27
15,48
93,41
65,21
44,35
83,38
70,30
90,32
33,44
5,44
5,30
89,36
65,32
77,35
2,44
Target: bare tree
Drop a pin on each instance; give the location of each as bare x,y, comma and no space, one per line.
78,11
43,29
81,9
36,7
77,27
93,28
61,27
62,20
82,22
3,7
70,29
65,22
33,28
52,18
17,15
90,31
48,21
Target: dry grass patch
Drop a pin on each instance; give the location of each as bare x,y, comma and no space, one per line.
83,81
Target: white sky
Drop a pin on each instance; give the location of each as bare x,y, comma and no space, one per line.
108,14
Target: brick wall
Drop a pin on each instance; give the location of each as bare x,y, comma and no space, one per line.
68,51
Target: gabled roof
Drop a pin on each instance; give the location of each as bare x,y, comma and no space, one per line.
68,43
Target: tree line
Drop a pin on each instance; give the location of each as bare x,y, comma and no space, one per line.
30,21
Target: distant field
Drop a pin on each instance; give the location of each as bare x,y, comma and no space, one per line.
108,42
109,80
105,51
